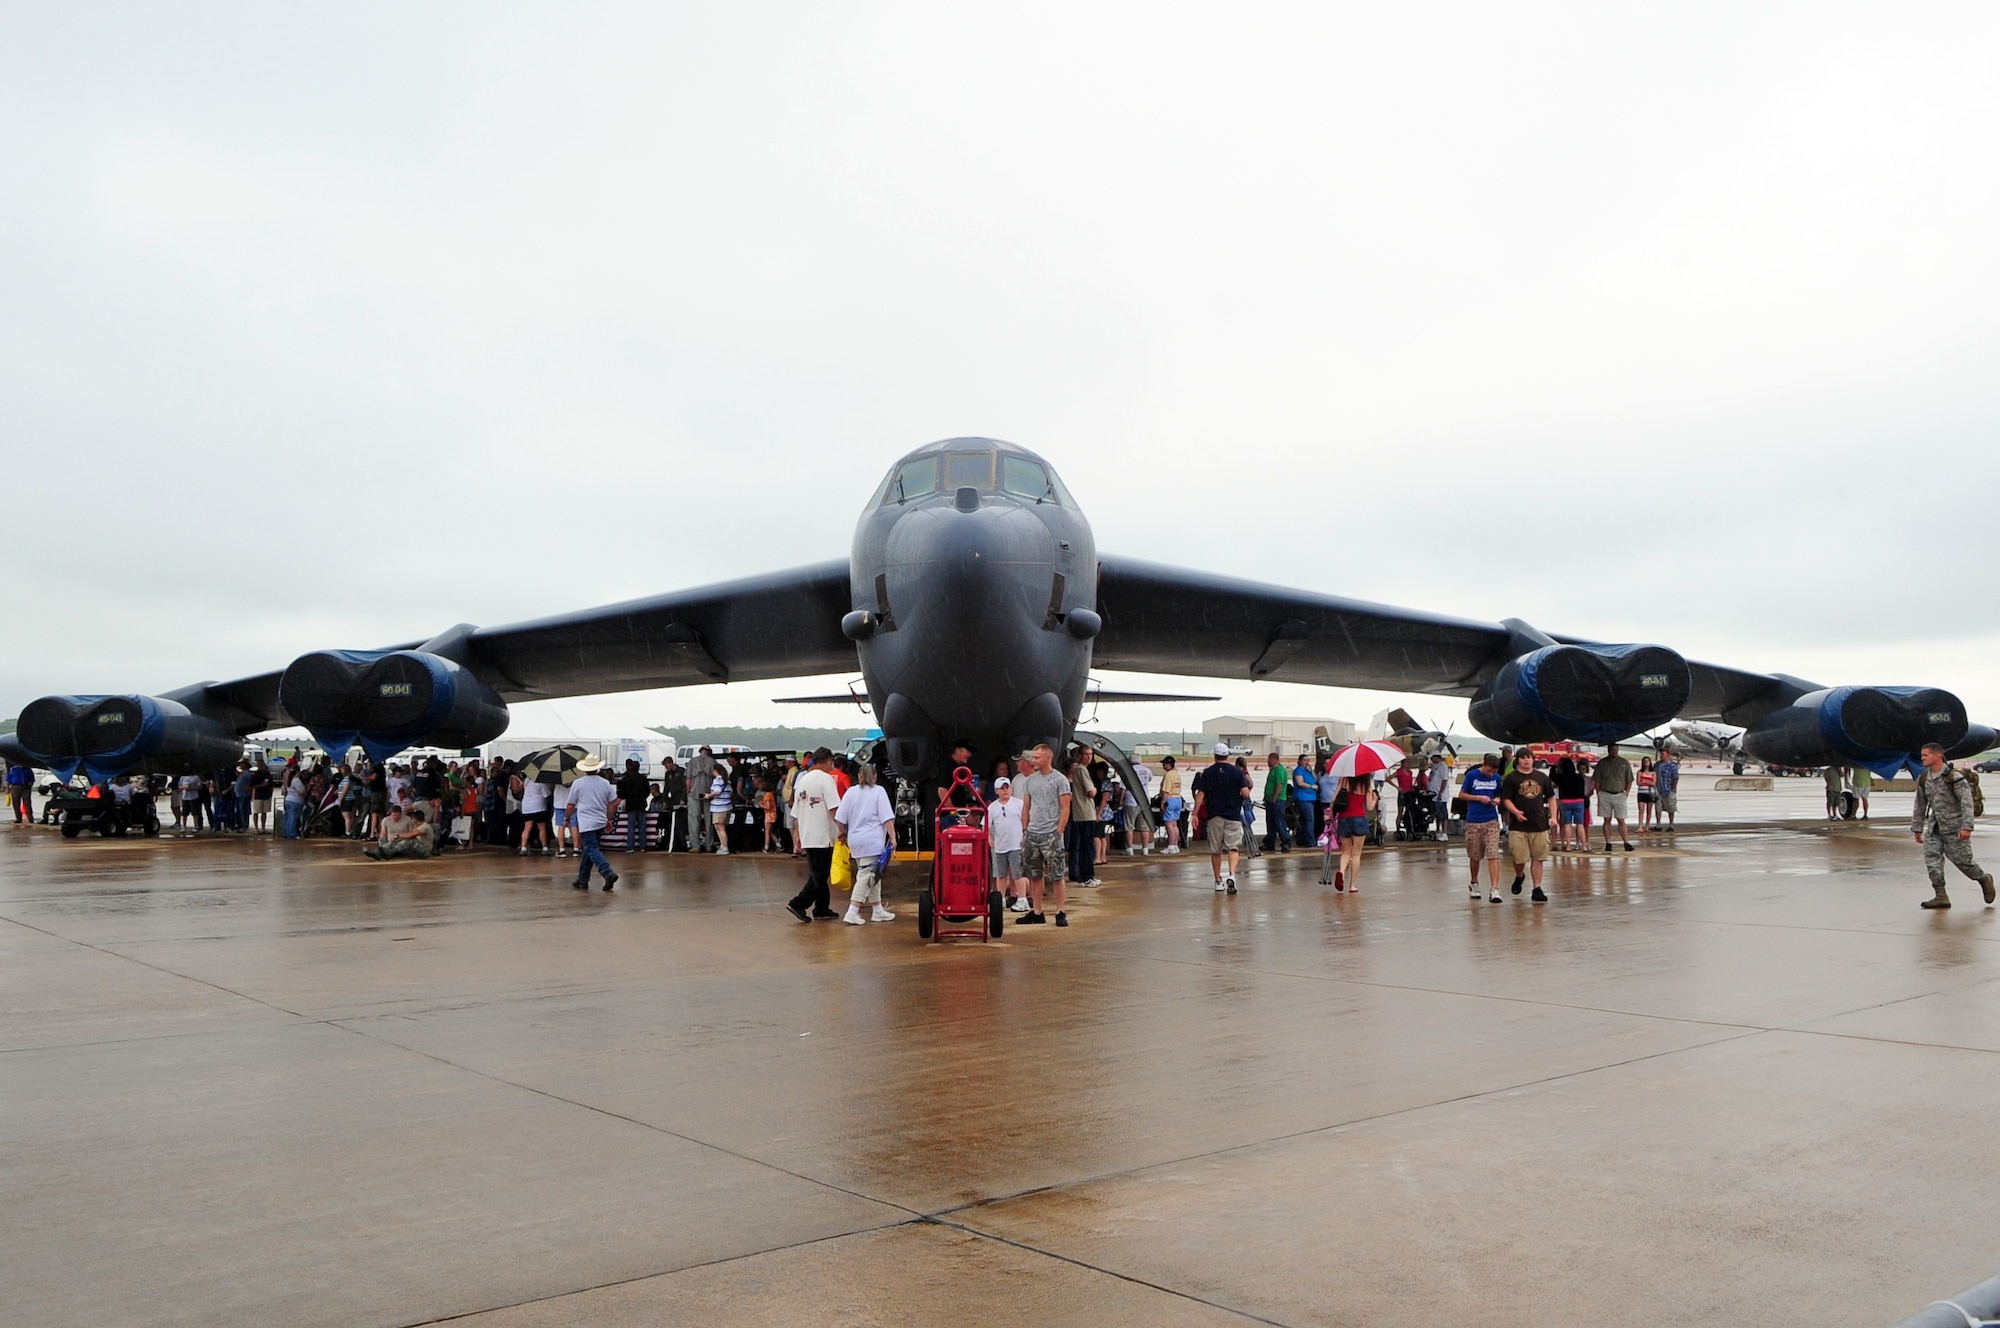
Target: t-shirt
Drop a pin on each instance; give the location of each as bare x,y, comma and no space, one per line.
865,811
590,799
1440,779
534,798
1305,787
1529,791
719,802
1003,824
244,780
1044,790
19,776
1082,789
1667,776
190,786
1276,781
814,796
261,783
1614,775
1221,787
1570,787
1487,785
425,785
632,790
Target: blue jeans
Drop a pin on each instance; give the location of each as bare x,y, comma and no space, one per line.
1277,827
593,856
294,811
635,830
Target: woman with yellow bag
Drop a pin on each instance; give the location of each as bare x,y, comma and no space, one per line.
867,837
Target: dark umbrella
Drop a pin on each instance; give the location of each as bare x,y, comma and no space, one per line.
552,765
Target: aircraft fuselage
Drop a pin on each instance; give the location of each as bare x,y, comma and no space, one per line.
974,606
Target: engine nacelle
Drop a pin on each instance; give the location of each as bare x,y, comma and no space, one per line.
389,700
1878,727
110,735
1583,693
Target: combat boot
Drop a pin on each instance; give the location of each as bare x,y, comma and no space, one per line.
1939,900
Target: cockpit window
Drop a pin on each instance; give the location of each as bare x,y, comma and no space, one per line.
913,479
1024,478
988,472
969,468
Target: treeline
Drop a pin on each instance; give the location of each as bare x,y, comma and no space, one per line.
787,738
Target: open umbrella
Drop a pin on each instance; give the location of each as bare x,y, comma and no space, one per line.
1365,758
552,765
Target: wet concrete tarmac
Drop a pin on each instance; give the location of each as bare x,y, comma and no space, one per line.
1738,1079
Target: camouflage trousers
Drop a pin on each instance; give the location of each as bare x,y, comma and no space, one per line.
1942,844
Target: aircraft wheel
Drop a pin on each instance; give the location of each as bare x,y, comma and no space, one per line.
1737,767
996,913
926,916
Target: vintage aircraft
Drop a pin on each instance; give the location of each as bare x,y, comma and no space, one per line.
1715,742
974,604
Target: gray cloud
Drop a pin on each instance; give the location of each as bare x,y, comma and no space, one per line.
311,326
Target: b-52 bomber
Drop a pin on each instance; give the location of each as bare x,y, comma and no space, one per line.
975,603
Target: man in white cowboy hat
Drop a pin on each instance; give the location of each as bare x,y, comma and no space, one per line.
591,801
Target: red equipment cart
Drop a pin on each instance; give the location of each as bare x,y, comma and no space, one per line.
961,900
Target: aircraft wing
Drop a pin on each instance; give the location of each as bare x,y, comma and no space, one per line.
780,625
1160,619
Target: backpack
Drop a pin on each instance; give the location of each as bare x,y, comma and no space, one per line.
1971,776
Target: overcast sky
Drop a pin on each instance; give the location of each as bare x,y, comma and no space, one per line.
1675,324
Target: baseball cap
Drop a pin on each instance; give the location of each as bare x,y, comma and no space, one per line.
1222,749
1003,782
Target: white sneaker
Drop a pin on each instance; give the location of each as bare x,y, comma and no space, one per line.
853,917
1475,891
1092,883
881,915
1018,906
1220,887
722,853
1493,898
1171,850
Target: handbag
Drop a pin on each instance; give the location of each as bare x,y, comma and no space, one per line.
1339,807
842,871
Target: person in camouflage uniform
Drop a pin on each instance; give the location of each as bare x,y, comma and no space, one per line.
1942,823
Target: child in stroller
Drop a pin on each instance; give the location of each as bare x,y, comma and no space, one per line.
1415,815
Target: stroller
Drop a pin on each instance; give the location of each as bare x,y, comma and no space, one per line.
1416,816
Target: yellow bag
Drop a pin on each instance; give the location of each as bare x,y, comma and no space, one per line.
841,876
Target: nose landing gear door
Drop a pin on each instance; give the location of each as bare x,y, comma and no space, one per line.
1140,821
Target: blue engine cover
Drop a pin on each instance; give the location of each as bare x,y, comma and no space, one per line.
109,735
1881,728
1583,693
387,700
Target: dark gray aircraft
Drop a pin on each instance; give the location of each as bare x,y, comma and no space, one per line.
975,604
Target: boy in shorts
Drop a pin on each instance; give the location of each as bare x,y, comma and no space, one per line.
1004,833
1481,791
1525,797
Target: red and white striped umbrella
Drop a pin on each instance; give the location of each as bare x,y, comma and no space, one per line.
1365,758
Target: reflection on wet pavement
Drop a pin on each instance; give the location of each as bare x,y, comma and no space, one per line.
243,1082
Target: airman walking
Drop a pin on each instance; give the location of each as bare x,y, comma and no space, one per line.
1942,822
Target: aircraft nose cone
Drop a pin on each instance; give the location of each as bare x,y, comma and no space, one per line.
969,566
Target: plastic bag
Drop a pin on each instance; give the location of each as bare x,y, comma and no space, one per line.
841,876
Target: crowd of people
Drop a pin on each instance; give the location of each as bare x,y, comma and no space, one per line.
1049,829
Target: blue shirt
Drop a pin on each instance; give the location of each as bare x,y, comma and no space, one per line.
1222,787
1328,786
1667,776
1309,791
18,775
1478,780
